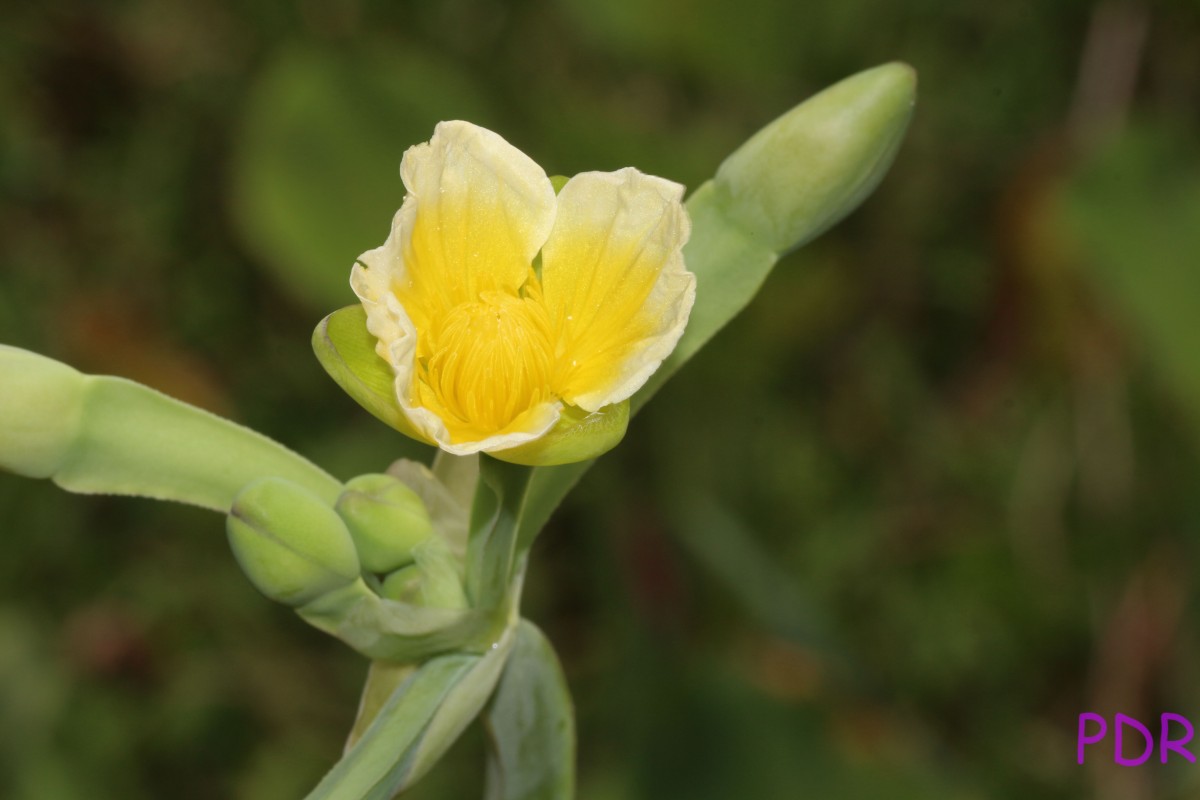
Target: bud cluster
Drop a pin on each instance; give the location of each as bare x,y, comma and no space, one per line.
296,549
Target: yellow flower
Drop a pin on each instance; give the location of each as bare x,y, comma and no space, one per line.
498,303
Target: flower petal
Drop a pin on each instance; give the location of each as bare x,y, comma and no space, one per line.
615,284
477,212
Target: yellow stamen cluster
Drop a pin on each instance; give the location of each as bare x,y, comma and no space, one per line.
482,364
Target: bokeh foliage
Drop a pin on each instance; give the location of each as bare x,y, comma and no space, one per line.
930,497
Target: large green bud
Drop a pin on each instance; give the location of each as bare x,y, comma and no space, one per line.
386,519
292,546
806,170
41,408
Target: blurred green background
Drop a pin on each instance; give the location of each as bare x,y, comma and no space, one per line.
934,494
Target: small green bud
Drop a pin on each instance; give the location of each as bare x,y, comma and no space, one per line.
433,581
41,407
386,519
292,546
806,170
404,585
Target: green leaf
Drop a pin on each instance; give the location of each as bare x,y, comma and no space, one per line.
790,182
421,718
104,435
383,679
531,725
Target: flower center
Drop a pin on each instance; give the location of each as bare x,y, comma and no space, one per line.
483,364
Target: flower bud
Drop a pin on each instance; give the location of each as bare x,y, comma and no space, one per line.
41,406
292,546
806,170
386,519
404,585
433,581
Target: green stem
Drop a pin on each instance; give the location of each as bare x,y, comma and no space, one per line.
492,545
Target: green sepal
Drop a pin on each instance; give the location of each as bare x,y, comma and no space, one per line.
413,728
346,349
530,724
292,546
577,436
